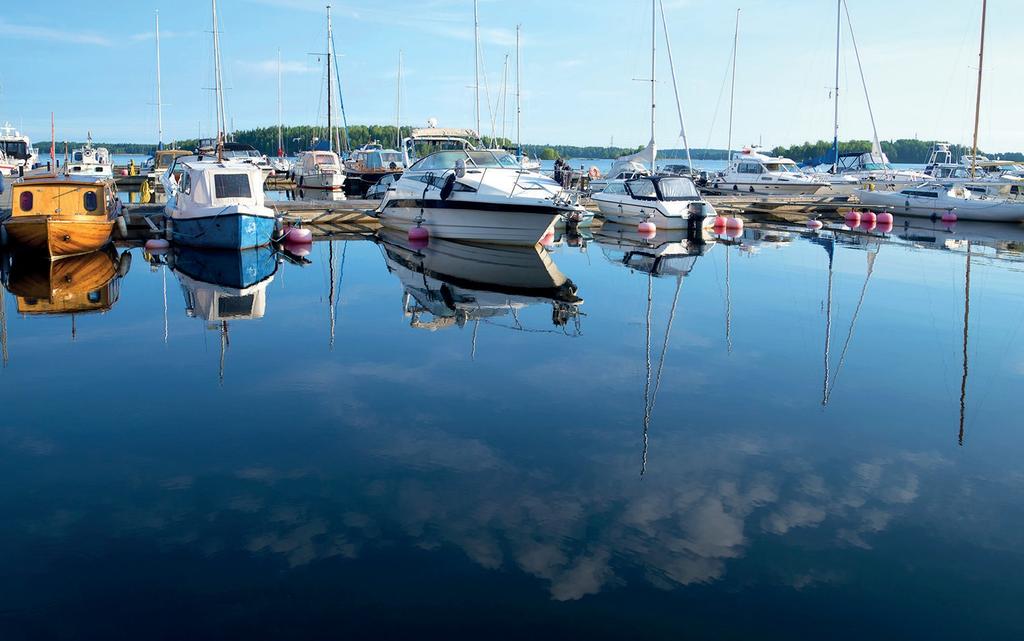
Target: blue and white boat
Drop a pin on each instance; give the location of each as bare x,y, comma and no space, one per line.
217,204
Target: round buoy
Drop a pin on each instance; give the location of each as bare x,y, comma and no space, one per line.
869,217
418,237
719,224
885,227
548,238
949,217
155,245
853,214
734,223
124,172
298,249
868,224
647,228
300,235
884,218
814,224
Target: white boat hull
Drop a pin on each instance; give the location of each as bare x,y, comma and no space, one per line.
321,181
673,215
789,189
989,210
475,222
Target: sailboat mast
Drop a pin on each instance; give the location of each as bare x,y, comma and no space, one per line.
967,318
222,123
504,96
519,99
476,61
835,135
977,102
330,96
653,83
877,148
280,136
159,101
732,91
398,105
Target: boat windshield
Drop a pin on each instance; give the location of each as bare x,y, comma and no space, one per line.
677,189
14,149
784,167
325,159
473,159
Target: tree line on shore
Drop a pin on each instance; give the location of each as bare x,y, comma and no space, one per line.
299,138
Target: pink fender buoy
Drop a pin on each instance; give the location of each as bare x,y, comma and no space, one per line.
157,245
869,217
733,232
419,237
868,224
719,225
647,229
299,235
814,224
885,228
298,249
884,218
852,219
734,223
548,238
949,217
124,172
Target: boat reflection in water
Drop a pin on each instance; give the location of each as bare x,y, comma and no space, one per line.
222,285
72,285
457,282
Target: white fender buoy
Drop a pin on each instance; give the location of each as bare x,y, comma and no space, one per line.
814,223
949,217
300,235
884,218
154,245
647,228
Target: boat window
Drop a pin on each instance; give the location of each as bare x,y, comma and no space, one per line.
186,183
231,186
491,159
642,188
89,201
325,159
236,306
77,156
95,297
15,149
749,168
615,188
439,160
924,194
25,201
677,189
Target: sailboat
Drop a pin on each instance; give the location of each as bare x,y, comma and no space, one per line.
321,167
217,203
279,164
161,158
670,202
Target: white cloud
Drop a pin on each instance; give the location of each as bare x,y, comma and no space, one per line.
11,30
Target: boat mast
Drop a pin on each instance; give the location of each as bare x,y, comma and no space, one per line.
835,135
330,96
504,96
732,91
159,101
398,105
476,62
280,136
675,85
218,78
654,80
519,99
977,102
877,148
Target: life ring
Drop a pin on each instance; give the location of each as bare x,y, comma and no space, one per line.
594,173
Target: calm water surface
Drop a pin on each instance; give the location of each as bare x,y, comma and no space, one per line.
774,436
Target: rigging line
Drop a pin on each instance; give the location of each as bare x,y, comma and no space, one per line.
853,322
675,84
341,275
647,383
664,346
728,303
863,82
828,328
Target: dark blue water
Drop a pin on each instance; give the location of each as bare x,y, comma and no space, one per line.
470,443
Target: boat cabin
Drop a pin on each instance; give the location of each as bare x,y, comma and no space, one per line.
164,158
63,197
208,183
663,188
319,162
90,160
422,142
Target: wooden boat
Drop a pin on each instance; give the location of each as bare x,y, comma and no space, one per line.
62,216
74,285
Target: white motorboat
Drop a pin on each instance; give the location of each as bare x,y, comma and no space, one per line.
90,161
474,195
978,175
368,164
756,171
217,203
668,253
16,150
237,152
934,199
874,167
670,202
319,170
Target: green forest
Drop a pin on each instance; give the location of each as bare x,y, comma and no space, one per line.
298,138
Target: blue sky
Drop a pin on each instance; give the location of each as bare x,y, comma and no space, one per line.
93,64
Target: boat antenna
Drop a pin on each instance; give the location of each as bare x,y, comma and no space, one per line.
675,85
871,114
835,135
977,102
159,100
654,81
519,98
732,91
476,64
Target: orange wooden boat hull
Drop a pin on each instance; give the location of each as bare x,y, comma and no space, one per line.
60,236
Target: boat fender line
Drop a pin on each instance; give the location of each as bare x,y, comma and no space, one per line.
448,187
122,226
124,264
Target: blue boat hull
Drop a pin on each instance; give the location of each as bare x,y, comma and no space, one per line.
226,231
233,269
